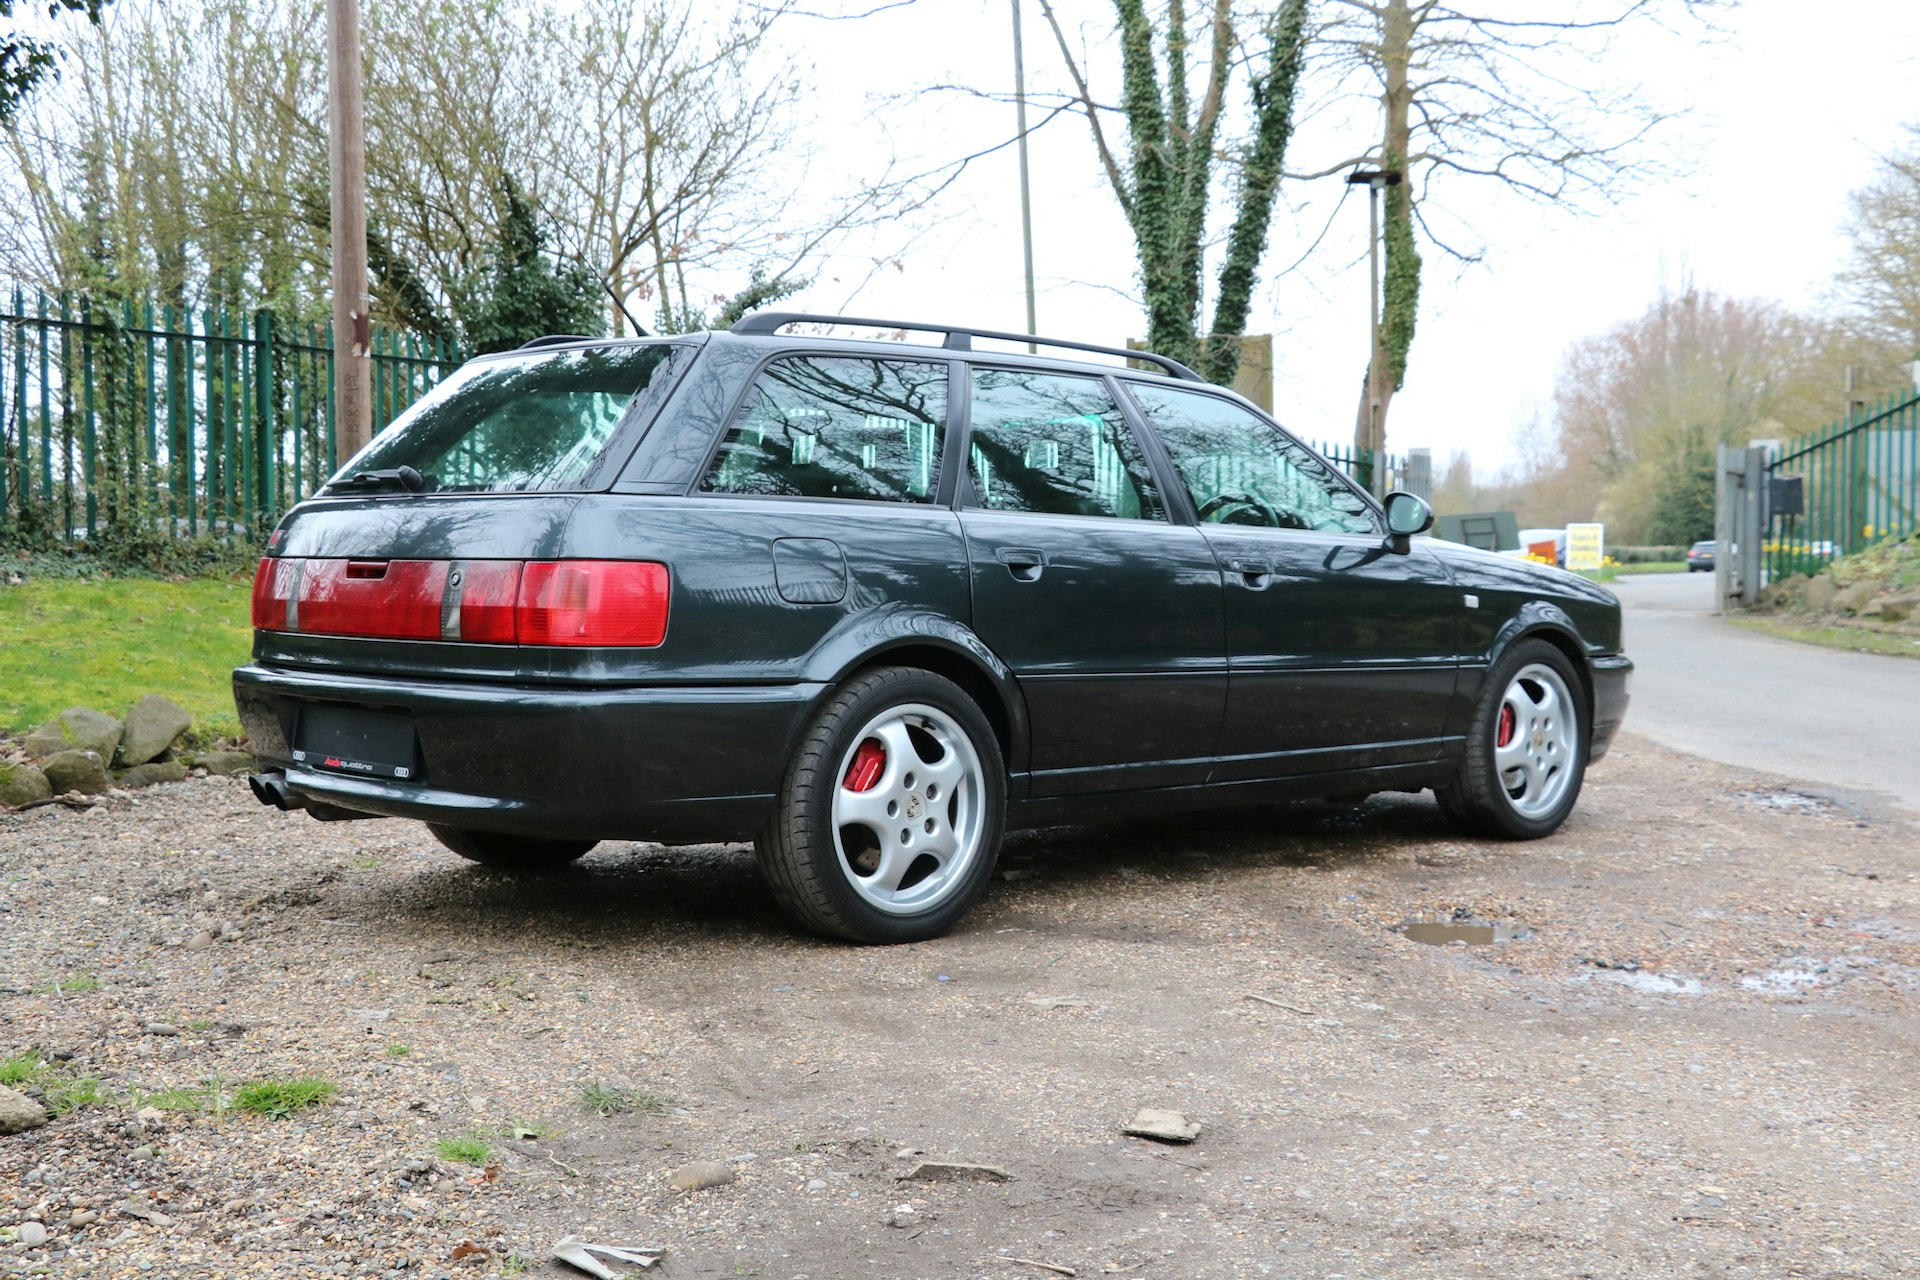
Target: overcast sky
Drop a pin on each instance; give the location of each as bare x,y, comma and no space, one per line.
1786,114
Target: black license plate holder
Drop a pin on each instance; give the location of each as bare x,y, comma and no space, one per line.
357,741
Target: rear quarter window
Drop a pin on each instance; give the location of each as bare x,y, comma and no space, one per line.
836,427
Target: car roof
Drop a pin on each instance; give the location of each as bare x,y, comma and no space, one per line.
763,328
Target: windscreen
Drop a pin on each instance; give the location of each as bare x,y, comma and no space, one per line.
534,421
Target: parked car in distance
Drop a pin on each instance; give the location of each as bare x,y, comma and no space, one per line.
870,603
1700,557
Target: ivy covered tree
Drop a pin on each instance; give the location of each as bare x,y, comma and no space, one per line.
1177,163
527,291
26,60
1470,90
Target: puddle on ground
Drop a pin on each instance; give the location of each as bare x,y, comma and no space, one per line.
1795,978
1653,984
1474,932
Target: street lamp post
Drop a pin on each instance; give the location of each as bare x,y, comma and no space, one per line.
1376,180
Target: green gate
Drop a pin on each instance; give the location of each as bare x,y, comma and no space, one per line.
1859,483
193,422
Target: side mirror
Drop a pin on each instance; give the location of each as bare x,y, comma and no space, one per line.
1407,514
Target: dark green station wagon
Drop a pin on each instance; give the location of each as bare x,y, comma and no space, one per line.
868,603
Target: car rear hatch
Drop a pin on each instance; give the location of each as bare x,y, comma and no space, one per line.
440,549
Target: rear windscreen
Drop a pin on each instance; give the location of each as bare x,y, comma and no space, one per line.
535,421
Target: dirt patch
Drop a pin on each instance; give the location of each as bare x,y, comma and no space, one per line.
1697,1060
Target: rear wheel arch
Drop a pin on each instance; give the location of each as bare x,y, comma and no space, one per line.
937,644
973,679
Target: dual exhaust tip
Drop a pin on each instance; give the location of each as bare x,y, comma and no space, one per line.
271,788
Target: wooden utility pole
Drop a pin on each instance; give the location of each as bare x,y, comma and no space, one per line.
347,158
1026,199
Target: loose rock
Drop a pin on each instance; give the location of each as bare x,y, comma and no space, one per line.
700,1175
223,763
147,775
82,771
949,1171
75,729
150,728
19,1113
22,784
1160,1125
32,1234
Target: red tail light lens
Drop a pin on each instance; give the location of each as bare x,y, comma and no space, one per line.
344,598
489,591
593,602
614,603
272,588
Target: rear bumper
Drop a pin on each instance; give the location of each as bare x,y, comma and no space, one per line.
675,764
1611,675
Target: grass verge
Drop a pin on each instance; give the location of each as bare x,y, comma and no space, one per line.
1834,636
106,643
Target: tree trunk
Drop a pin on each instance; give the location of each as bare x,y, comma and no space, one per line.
1400,290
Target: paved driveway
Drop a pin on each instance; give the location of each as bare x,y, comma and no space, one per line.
1845,722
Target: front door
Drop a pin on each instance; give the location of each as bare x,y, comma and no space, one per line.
1342,654
1109,614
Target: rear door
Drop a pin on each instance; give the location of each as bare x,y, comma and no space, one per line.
1342,654
1107,611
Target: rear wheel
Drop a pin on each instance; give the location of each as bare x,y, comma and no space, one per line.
1526,752
890,813
527,855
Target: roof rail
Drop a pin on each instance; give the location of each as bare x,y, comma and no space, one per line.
957,337
553,340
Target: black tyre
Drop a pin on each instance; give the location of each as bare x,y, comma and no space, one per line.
527,855
890,814
1526,752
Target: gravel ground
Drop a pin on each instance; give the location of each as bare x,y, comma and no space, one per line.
1696,1059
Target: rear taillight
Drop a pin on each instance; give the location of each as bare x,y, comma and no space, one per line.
612,603
394,599
272,588
489,589
593,602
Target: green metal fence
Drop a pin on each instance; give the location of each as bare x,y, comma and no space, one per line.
1859,484
191,422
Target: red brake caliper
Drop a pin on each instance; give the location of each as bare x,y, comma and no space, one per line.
869,761
1500,739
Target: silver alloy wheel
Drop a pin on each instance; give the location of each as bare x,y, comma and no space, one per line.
908,811
1534,745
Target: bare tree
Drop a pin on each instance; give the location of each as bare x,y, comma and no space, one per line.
1882,274
1467,92
666,149
1639,409
1176,82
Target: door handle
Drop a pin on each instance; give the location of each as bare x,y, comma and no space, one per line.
1254,572
1025,563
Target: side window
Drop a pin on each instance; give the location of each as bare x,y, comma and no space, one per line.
1047,443
837,427
1241,469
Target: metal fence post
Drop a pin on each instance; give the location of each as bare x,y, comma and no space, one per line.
266,443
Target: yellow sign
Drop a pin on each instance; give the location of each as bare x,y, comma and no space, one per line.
1586,546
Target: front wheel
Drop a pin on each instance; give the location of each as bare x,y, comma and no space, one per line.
1526,751
526,855
889,816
